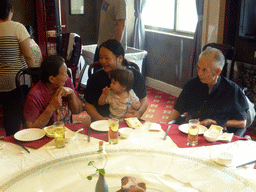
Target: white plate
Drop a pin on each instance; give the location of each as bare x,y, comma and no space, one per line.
184,128
29,134
101,125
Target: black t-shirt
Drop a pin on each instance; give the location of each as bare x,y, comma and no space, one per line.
225,102
100,80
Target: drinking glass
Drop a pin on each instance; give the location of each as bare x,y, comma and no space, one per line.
59,134
113,125
193,131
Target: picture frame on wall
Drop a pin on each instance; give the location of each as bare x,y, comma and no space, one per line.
76,7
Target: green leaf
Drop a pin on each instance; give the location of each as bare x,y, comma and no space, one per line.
100,151
89,178
90,163
101,171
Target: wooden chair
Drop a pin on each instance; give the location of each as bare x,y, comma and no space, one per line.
73,61
25,79
95,67
229,53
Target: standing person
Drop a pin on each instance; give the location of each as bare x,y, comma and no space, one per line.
113,16
36,51
54,90
120,95
15,55
112,58
212,98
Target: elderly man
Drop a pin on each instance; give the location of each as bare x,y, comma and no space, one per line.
212,98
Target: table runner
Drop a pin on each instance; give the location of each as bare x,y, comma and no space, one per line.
180,139
73,127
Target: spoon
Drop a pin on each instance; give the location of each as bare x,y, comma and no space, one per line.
79,130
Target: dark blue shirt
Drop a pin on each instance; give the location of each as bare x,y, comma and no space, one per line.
225,102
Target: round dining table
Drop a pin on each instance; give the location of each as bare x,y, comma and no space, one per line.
145,155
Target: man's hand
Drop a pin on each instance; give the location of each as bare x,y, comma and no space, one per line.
208,122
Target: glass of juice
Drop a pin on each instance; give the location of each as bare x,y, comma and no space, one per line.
193,130
59,134
113,125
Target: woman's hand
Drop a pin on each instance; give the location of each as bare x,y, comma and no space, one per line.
65,91
56,101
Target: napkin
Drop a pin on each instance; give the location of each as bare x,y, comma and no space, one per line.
33,144
180,139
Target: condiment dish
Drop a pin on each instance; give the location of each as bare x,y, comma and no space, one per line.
211,136
225,158
126,132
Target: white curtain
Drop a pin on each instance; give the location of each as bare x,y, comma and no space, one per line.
197,37
139,30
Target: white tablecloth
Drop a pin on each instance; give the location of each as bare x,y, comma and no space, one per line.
158,163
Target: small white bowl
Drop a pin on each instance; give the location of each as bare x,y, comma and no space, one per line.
225,158
211,136
126,132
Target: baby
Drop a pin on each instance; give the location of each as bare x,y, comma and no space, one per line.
120,95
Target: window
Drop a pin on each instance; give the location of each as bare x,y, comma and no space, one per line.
170,15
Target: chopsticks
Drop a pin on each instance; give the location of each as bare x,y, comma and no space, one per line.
88,133
168,129
20,144
251,162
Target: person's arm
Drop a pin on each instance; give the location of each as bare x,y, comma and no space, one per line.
74,102
235,123
136,105
120,29
102,99
92,111
43,119
138,113
173,116
27,53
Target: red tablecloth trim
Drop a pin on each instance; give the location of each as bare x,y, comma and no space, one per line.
180,139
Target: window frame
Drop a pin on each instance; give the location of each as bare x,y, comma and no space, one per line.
174,30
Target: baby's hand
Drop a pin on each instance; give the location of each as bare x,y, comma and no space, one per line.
135,106
105,90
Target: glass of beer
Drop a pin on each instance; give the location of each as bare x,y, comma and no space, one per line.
59,134
113,125
193,131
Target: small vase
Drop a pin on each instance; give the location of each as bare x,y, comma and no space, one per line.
101,185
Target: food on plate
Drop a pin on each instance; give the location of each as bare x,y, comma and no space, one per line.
216,128
131,184
133,122
49,131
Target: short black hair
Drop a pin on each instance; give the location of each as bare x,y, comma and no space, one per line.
5,8
50,67
124,77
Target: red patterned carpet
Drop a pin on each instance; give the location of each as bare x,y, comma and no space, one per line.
159,108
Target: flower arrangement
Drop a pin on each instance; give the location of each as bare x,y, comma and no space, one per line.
92,163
